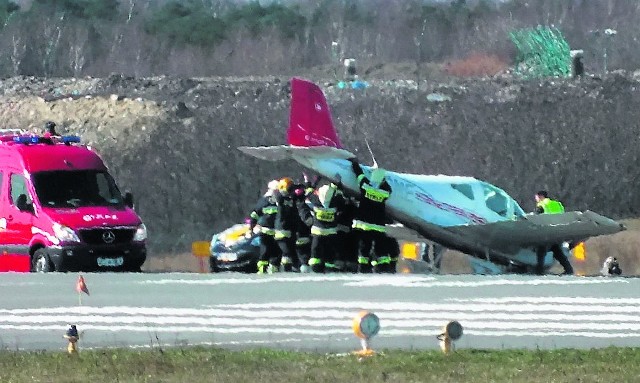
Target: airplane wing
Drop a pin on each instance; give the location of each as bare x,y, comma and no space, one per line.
283,152
540,230
403,233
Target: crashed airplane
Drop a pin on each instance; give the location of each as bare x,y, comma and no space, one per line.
461,213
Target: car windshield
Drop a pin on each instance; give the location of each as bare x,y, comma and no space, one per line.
75,188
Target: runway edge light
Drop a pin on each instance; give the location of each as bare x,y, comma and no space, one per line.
451,332
366,325
72,337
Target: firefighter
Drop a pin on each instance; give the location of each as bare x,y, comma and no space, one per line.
324,208
346,239
286,221
370,218
264,216
303,227
391,249
546,205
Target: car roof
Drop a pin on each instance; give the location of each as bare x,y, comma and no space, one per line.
50,157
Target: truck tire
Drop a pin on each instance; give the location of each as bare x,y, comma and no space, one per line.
41,262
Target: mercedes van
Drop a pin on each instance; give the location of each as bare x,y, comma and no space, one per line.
61,210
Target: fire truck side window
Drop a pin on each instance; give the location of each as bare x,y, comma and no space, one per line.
18,187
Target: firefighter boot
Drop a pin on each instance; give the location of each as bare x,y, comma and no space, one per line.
381,264
317,266
286,264
363,265
262,267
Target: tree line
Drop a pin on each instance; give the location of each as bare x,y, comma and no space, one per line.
63,38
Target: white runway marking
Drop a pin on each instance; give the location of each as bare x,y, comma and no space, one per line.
494,317
294,311
390,280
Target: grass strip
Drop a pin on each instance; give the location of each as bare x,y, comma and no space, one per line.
199,364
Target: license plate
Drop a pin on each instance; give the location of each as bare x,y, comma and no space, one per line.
110,262
228,257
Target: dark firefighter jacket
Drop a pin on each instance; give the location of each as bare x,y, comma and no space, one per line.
287,217
324,216
264,214
371,212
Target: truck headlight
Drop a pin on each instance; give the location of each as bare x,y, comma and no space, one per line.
141,233
65,233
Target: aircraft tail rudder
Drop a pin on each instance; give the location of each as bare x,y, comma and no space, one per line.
310,122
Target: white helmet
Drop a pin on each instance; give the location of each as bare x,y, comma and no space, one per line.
325,194
271,187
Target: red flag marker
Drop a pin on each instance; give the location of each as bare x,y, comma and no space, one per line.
81,286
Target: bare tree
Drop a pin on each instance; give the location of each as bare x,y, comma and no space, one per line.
51,34
19,46
79,40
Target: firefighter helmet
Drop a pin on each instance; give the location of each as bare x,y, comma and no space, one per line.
285,183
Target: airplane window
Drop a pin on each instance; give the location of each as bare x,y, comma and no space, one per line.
496,201
465,189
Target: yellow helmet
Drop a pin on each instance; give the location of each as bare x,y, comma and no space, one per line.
285,183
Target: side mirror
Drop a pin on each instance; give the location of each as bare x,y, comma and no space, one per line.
22,205
128,199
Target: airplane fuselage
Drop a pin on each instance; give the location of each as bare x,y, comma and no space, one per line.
433,205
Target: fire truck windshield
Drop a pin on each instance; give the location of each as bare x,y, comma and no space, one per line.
76,188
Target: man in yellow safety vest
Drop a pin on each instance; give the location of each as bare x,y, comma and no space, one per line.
546,205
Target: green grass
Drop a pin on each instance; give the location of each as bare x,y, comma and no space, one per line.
196,365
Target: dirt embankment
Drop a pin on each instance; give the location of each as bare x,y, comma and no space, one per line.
172,142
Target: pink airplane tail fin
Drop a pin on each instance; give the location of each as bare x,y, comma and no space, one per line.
310,122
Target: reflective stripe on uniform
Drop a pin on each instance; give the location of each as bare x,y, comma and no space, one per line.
262,267
363,260
281,234
268,231
315,230
324,214
314,261
362,225
303,240
375,194
384,260
286,261
269,210
254,215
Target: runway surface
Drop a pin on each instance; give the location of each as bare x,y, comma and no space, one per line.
315,312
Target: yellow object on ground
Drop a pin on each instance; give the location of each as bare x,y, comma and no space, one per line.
450,332
365,326
72,348
580,252
200,249
410,250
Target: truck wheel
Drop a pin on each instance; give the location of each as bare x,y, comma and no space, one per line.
41,262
